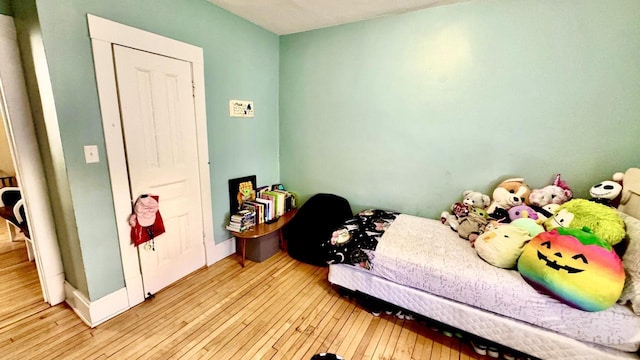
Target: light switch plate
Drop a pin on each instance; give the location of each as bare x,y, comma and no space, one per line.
240,108
91,154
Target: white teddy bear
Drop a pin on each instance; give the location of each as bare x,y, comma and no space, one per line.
475,199
460,210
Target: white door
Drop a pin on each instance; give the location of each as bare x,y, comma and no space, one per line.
158,121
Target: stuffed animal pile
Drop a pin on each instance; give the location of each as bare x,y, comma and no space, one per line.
510,202
560,245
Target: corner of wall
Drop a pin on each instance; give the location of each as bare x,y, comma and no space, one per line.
94,313
216,252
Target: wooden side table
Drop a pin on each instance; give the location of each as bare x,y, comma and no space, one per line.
264,229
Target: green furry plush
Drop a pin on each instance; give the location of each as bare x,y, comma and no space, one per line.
602,220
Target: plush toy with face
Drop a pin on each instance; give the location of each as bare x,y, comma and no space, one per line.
492,224
459,212
556,193
502,246
474,223
545,212
475,199
603,220
509,193
522,211
574,266
605,192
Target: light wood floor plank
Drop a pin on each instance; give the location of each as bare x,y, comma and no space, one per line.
277,309
320,328
296,323
406,341
342,309
424,344
366,342
277,329
188,314
246,308
352,338
384,339
239,309
309,331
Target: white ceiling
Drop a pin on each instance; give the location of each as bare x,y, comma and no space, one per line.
291,16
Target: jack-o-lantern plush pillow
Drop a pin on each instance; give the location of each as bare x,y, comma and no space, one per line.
575,266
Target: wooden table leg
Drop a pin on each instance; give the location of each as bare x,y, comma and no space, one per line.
283,244
243,241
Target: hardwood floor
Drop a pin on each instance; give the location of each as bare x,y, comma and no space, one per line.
277,309
20,293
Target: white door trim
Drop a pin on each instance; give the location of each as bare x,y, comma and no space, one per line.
16,112
103,34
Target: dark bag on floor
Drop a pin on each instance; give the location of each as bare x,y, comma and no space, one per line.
313,225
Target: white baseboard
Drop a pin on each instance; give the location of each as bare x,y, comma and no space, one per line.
217,252
99,311
55,292
96,312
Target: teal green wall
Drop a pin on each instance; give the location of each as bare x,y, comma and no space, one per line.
241,62
5,7
406,112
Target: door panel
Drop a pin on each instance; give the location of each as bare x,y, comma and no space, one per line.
158,122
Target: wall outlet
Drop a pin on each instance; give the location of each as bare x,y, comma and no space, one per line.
240,108
91,154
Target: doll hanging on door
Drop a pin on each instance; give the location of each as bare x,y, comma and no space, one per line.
146,222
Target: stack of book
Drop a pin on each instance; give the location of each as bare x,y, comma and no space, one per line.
270,203
245,219
266,206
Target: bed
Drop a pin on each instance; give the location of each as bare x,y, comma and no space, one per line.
422,266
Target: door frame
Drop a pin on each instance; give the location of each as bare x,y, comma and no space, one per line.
103,34
18,121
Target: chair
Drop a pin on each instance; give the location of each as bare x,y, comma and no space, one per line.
12,209
313,225
9,197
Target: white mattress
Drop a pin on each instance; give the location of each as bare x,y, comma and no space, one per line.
442,263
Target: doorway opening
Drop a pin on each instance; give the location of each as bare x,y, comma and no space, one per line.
21,295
